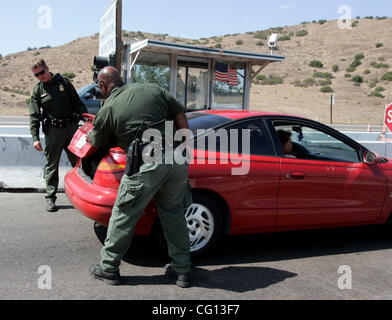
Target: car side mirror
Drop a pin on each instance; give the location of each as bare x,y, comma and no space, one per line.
371,157
88,95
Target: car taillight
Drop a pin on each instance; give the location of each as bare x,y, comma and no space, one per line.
111,169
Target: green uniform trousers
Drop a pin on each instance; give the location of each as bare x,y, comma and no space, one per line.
56,141
168,185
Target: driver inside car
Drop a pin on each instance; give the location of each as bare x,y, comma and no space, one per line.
292,149
286,143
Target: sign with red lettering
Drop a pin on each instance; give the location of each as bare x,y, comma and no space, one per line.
388,117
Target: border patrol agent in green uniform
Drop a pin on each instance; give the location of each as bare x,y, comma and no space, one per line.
56,104
125,109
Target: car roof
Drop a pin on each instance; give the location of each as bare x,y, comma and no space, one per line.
241,114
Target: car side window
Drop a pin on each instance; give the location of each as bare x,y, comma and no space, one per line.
310,143
248,137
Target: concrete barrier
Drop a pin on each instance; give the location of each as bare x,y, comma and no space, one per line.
21,167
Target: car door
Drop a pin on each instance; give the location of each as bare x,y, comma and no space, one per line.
251,192
327,183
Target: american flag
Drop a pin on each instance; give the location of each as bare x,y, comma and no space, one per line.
225,73
233,78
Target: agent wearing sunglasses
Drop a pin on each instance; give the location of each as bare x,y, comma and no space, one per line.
55,103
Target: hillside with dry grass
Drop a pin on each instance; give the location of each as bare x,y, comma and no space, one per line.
355,64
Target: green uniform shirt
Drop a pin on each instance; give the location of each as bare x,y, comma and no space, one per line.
56,99
126,108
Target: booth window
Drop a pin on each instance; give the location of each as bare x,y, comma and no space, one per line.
228,85
192,83
152,67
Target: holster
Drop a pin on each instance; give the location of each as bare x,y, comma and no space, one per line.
134,157
45,125
134,154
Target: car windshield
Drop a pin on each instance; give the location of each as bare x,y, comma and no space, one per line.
199,120
85,89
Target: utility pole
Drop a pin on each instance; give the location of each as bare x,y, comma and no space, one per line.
118,54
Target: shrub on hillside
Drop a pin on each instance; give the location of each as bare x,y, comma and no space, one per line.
379,89
377,65
239,42
359,56
285,38
323,82
324,75
302,33
376,94
379,45
335,68
270,80
357,79
261,77
69,75
261,35
309,82
355,63
350,69
316,64
387,76
326,89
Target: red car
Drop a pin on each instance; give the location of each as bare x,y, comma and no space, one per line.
329,180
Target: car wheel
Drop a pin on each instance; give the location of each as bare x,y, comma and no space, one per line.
204,223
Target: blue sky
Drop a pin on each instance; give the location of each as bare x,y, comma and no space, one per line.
21,22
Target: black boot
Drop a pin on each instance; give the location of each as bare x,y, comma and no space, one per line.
50,205
112,278
182,279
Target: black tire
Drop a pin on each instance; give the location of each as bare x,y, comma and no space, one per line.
204,222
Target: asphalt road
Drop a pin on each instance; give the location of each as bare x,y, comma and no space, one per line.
46,256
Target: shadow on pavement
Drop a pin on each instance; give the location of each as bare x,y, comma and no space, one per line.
271,247
236,279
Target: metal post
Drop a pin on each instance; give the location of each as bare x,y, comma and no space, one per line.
118,34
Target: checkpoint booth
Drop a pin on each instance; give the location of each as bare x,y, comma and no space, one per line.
199,77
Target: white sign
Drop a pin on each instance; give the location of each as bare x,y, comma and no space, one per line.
82,142
107,34
332,99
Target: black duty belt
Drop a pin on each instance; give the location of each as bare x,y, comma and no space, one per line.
61,123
